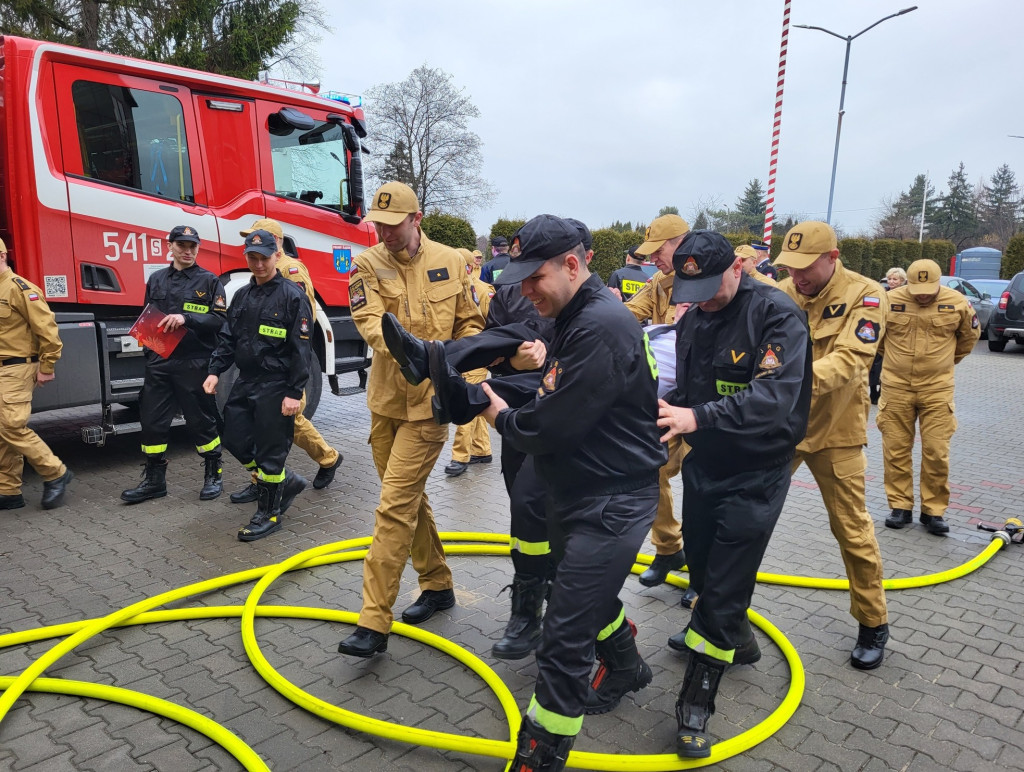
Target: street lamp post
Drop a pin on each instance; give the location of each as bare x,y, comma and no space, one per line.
842,94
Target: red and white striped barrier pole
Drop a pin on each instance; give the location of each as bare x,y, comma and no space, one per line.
769,212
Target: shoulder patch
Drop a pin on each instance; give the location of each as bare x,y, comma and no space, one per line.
218,302
897,306
22,284
33,296
293,269
867,331
438,274
771,357
833,311
870,302
551,378
946,307
356,295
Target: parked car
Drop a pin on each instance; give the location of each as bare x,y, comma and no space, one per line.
981,300
1007,320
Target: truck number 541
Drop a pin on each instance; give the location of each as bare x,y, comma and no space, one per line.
135,244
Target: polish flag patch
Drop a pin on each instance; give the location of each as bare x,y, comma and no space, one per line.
871,302
33,296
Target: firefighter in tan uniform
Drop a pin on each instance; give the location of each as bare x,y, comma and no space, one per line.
928,329
426,286
750,260
306,435
29,348
654,302
472,443
846,320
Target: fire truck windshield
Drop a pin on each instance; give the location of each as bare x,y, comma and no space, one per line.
310,165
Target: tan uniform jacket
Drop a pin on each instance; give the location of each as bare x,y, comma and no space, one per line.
922,343
846,321
293,269
482,291
27,326
756,275
654,301
431,295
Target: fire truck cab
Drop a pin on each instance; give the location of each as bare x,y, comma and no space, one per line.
100,156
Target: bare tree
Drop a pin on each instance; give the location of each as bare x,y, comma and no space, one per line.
421,126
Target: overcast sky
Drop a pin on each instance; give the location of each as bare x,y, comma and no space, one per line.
611,110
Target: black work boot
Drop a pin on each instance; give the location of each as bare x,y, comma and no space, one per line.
211,478
689,599
935,525
620,669
870,648
538,750
53,490
249,493
293,485
660,567
11,501
899,518
153,485
522,633
450,403
696,704
267,517
409,351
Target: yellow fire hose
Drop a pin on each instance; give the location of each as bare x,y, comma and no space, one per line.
142,612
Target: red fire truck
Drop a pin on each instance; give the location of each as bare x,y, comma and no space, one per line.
101,155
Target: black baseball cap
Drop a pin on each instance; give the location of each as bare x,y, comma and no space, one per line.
632,252
586,238
700,260
183,233
261,242
499,241
540,239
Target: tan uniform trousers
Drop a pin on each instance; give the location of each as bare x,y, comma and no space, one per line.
898,412
667,532
310,440
404,452
472,439
17,441
839,473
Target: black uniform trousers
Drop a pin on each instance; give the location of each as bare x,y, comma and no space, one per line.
726,530
527,494
170,385
255,432
595,543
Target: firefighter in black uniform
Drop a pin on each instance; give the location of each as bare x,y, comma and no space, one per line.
742,397
590,425
192,298
267,336
630,279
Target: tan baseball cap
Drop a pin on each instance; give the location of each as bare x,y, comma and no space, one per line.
805,243
392,203
923,277
745,251
264,224
661,229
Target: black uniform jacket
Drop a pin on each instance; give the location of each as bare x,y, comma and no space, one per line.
747,373
508,306
593,424
267,335
628,280
197,295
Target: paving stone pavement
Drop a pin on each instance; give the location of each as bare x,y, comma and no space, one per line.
949,696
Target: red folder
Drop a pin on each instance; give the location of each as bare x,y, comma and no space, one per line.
146,332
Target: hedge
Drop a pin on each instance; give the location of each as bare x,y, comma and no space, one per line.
1013,258
449,230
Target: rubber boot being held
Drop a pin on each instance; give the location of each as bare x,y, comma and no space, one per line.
696,703
211,478
154,482
538,750
620,669
267,518
522,633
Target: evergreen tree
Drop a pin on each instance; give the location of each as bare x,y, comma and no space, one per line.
1000,207
668,210
901,217
397,167
750,208
956,216
701,221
